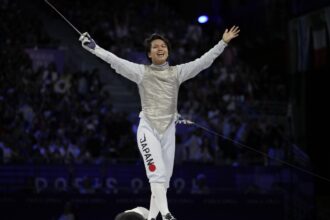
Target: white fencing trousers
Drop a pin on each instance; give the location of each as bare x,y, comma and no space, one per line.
157,151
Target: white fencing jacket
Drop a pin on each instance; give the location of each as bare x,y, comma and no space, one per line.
159,84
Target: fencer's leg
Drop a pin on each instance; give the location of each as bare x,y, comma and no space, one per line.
151,152
153,210
159,195
168,152
150,149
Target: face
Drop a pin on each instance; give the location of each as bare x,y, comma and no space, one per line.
158,52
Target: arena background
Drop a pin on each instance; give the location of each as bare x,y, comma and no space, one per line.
68,121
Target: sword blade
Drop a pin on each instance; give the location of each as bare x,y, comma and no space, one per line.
53,7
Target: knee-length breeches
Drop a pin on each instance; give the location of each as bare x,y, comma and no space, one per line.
157,151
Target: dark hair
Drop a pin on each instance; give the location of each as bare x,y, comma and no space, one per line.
155,36
129,216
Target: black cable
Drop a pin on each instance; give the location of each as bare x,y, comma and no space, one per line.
188,122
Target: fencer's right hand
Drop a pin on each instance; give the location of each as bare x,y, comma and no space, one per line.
87,42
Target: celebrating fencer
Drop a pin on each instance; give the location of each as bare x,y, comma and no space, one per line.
158,85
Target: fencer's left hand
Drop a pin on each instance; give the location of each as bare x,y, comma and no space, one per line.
229,35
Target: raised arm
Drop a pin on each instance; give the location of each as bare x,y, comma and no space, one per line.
129,70
191,69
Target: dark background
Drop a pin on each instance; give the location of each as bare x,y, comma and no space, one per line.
267,47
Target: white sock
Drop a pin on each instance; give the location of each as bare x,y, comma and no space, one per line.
159,193
153,210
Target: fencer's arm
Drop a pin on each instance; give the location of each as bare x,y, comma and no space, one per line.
191,69
129,70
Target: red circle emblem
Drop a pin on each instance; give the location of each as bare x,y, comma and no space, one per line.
152,167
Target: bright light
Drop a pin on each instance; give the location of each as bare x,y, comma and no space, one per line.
203,19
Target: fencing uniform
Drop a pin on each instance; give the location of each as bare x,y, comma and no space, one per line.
158,88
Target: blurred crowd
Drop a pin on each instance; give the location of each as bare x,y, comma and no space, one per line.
62,118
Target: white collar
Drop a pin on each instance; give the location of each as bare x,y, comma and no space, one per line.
163,66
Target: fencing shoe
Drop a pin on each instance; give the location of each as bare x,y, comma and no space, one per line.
168,216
